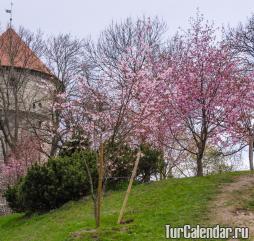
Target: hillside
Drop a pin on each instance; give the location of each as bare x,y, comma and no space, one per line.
151,206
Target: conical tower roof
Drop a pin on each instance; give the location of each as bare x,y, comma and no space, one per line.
15,52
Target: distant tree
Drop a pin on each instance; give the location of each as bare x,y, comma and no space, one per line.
216,162
241,42
64,57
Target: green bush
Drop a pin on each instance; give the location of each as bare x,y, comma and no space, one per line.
122,159
75,144
64,178
51,185
121,164
150,163
13,196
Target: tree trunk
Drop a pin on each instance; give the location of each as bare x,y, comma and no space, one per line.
95,209
90,179
146,177
134,172
251,139
54,146
3,150
100,181
199,165
55,139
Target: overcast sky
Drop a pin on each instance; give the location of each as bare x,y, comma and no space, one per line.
88,17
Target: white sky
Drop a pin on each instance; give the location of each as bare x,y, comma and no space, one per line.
84,18
88,17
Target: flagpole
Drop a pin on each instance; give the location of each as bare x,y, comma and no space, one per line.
9,11
11,14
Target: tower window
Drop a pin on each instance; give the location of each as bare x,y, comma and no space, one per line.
34,106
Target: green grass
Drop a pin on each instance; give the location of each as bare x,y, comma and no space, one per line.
151,206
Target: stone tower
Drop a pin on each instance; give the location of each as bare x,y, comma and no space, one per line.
24,102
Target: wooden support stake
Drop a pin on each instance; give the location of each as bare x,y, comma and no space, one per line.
100,181
133,175
251,140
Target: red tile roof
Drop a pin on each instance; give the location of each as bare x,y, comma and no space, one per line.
14,52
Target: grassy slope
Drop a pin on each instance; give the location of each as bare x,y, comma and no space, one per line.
176,202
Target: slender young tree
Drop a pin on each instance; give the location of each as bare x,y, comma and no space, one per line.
112,105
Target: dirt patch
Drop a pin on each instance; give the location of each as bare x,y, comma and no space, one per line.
96,234
85,231
228,207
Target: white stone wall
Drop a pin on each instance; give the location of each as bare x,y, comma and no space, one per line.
34,103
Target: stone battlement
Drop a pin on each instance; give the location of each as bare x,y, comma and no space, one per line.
4,208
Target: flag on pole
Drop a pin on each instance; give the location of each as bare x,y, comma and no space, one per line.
8,10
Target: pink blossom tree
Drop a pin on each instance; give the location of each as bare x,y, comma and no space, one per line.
115,105
201,77
105,113
27,152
